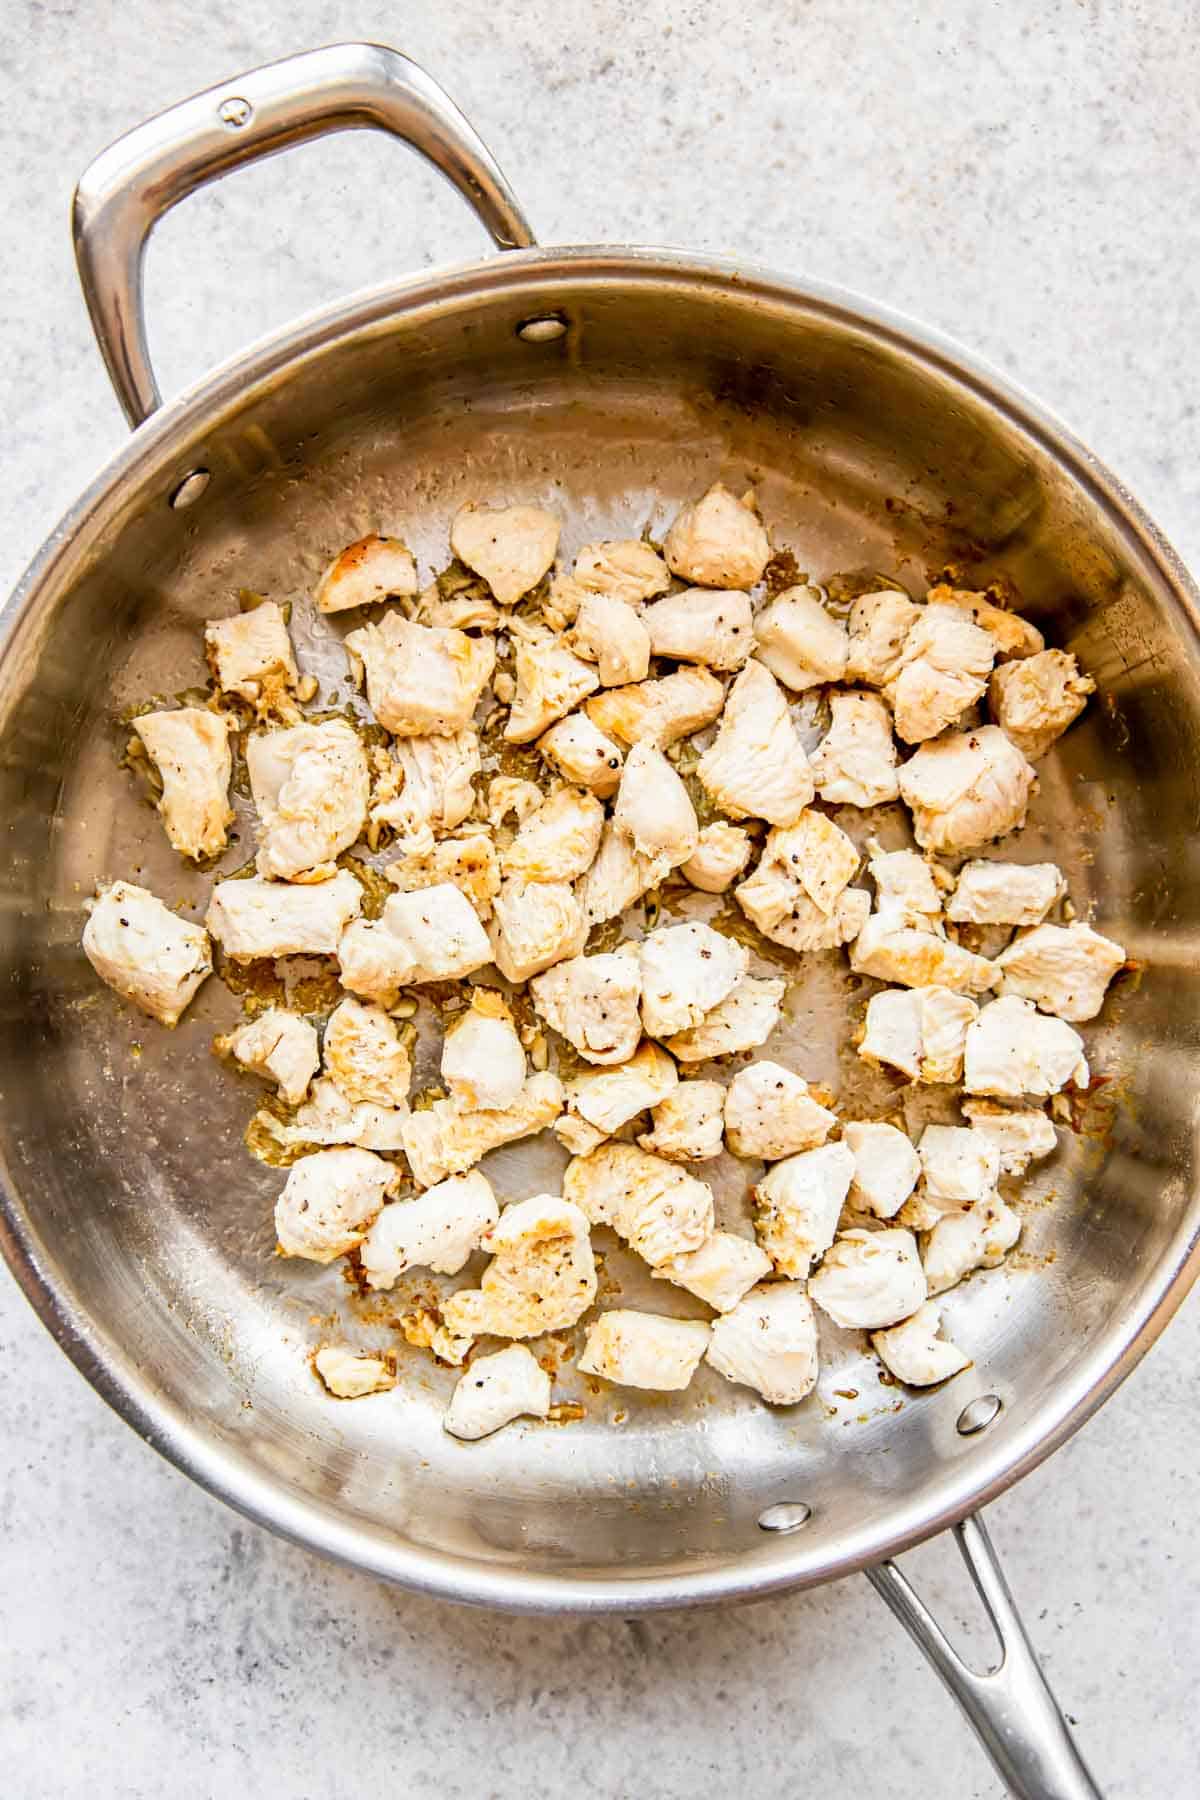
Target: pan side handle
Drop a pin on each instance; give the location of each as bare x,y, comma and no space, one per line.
128,188
1010,1707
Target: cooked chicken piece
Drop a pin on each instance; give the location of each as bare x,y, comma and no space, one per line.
256,918
812,858
653,808
721,1272
891,950
870,1279
576,1136
1020,1137
445,1140
542,1276
328,1117
510,546
422,680
612,635
659,712
659,1209
965,788
626,568
942,669
919,1030
310,785
886,1167
906,883
1035,699
551,680
374,568
702,625
769,1343
559,841
722,852
365,1054
329,1202
1005,893
688,1124
439,1230
609,1098
433,934
806,927
855,762
468,862
1064,969
510,1384
251,656
1013,636
916,1353
580,751
537,923
963,1241
593,1002
717,542
466,610
756,768
424,785
879,625
483,1064
190,749
1012,1049
798,1204
687,970
375,961
958,1167
278,1045
644,1350
352,1374
619,877
510,794
743,1020
146,952
945,1019
799,641
770,1113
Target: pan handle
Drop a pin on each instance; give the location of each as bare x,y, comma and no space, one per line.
129,187
1017,1718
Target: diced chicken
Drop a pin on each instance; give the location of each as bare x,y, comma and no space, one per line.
963,1241
701,625
756,768
542,1276
439,1230
915,1352
879,625
551,681
886,1167
626,568
445,1140
965,788
1020,1136
659,1209
365,1054
618,877
942,669
717,542
433,934
483,1064
559,841
653,808
422,680
769,1343
1013,636
801,644
687,970
510,794
1034,700
945,1020
855,762
376,961
190,749
278,1045
721,1272
147,953
609,1098
328,1117
256,918
722,852
468,862
891,950
870,1279
510,1384
812,858
1005,893
251,656
958,1167
770,1113
919,1030
536,923
1012,1049
644,1350
659,712
689,1124
466,609
1064,969
580,751
424,785
576,1136
743,1020
806,927
613,636
352,1374
329,1202
798,1204
310,785
593,1002
374,568
905,883
512,547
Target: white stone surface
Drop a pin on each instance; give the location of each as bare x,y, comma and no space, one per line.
1018,175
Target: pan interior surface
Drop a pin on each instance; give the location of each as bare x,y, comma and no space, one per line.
137,1220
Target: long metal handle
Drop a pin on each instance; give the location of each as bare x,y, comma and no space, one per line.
1011,1707
129,187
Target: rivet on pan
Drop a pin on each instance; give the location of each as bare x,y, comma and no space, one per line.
235,112
978,1414
786,1515
542,330
190,489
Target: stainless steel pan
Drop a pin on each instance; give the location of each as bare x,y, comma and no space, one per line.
611,383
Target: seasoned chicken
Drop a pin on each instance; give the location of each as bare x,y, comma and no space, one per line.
580,751
701,625
855,762
576,1136
965,788
958,1167
743,1020
721,1272
879,625
329,1202
1064,969
280,1046
770,1113
374,568
466,609
1013,636
1005,893
906,883
619,877
717,542
352,1374
613,636
328,1117
756,768
609,1098
870,1279
1035,699
688,1124
536,923
1012,1050
659,712
483,1064
512,547
365,1055
801,644
510,1384
963,1241
251,656
653,808
643,1350
886,1167
806,927
942,669
257,918
626,568
146,952
310,785
551,680
446,1140
433,934
915,1352
1020,1135
439,1230
687,970
559,841
422,680
190,749
919,1030
510,794
769,1343
659,1209
798,1204
467,862
593,1002
811,857
945,1019
424,785
722,852
892,950
542,1276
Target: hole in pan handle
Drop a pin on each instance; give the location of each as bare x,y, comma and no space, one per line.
127,189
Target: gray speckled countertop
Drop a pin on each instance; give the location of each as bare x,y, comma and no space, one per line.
1018,175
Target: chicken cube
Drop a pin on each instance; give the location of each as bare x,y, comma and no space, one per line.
537,923
717,542
542,1275
559,841
1012,1050
438,1230
256,918
619,877
798,1204
1012,635
743,1020
813,857
1034,700
958,1167
576,1136
432,934
808,928
580,751
906,883
1020,1137
278,1045
653,808
510,1384
701,625
483,1063
801,644
328,1117
687,970
609,1098
891,950
643,1350
424,785
886,1167
512,547
144,951
251,656
310,785
770,1113
329,1201
756,768
722,852
352,1375
659,712
593,1002
915,1352
374,568
446,1140
965,788
855,762
688,1124
769,1342
659,1209
190,749
919,1030
1005,893
510,794
721,1272
1064,969
963,1241
879,625
467,862
614,637
942,669
365,1055
422,680
551,681
626,568
870,1279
